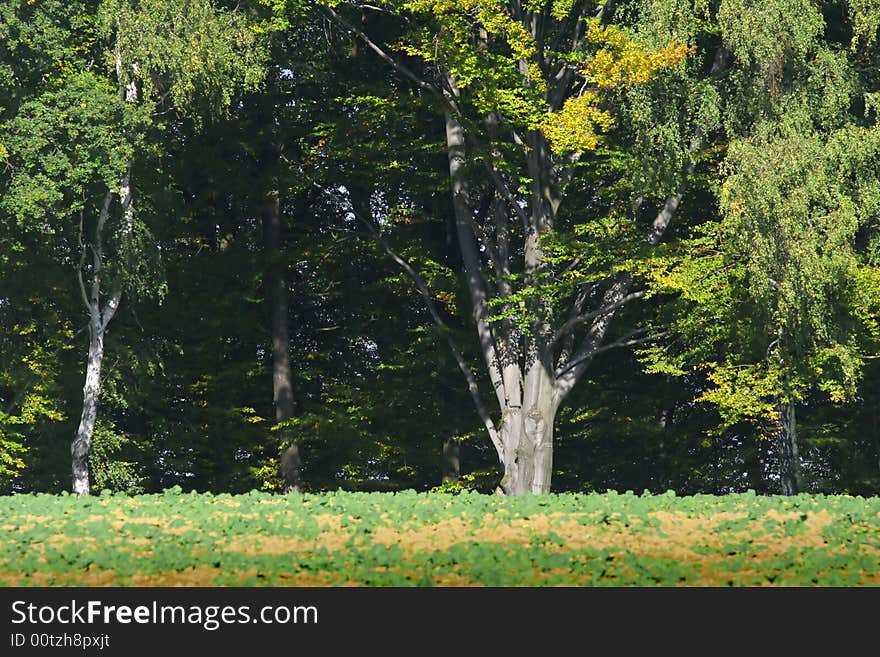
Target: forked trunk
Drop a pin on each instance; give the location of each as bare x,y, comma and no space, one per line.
99,317
527,436
82,442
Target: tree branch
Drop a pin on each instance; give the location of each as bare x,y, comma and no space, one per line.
627,340
487,242
467,242
664,217
567,376
112,306
93,305
400,68
428,299
572,323
82,263
585,290
506,194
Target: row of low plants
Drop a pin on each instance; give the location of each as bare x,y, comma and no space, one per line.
412,539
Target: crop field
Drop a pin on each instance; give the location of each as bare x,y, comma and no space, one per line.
412,539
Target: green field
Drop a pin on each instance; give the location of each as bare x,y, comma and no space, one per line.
410,539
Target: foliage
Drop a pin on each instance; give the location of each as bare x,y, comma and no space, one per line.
760,117
186,55
776,289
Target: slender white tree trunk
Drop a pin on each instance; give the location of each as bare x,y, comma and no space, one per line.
82,442
100,318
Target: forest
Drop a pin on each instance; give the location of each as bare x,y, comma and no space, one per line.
512,246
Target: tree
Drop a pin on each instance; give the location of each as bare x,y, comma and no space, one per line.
523,92
559,180
781,290
72,146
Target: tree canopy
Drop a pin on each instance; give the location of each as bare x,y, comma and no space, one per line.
518,246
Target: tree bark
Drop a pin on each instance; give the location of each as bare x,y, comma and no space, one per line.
451,460
82,442
787,450
282,379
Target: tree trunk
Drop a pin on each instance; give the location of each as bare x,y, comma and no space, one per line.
82,442
451,460
100,318
98,321
527,436
282,379
664,423
787,450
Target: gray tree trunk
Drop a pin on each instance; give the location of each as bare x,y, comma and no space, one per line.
787,450
532,373
527,436
282,379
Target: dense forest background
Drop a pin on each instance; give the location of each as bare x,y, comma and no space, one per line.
237,252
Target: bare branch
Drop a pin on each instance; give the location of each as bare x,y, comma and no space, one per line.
112,306
605,7
630,342
506,194
574,322
569,376
626,341
400,68
571,267
375,8
586,289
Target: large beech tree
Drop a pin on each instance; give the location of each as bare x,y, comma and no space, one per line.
525,91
